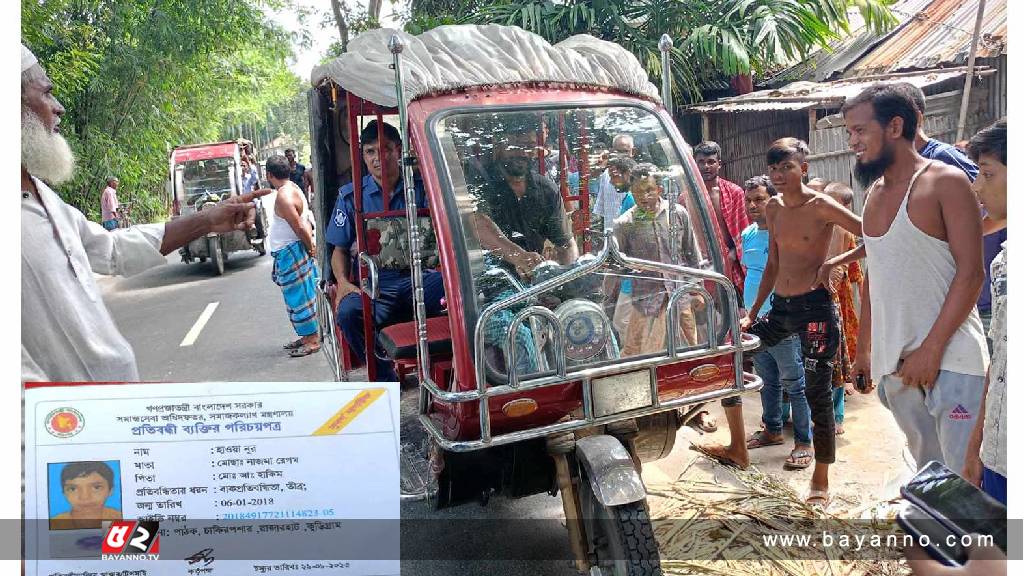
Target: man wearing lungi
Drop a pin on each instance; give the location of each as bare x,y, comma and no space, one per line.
291,245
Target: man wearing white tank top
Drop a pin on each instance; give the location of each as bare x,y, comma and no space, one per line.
920,335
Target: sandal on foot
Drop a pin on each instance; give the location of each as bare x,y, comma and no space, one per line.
720,458
703,421
760,439
293,345
304,350
818,498
794,461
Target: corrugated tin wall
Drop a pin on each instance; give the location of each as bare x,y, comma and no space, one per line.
831,158
746,136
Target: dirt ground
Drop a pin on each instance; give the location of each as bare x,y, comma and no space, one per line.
871,459
871,464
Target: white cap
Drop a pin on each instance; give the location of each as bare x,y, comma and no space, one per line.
28,59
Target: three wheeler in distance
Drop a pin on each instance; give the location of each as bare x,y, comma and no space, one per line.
199,176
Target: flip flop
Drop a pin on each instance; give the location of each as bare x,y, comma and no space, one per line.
703,421
717,458
293,345
818,498
760,439
303,351
798,453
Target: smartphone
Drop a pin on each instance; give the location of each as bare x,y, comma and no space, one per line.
956,504
932,535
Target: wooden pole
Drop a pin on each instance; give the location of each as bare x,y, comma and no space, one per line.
962,124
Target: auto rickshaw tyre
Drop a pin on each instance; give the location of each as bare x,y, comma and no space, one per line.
216,254
657,435
620,537
261,224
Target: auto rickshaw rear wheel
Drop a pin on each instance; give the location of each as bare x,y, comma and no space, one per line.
216,254
620,538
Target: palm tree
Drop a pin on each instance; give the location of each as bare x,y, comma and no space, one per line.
713,38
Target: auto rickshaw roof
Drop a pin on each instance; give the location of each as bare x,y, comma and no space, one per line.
450,58
206,151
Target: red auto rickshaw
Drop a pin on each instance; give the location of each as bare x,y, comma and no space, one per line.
529,381
201,175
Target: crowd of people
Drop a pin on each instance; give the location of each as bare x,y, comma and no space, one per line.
918,335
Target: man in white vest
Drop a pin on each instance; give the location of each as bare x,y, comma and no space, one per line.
920,336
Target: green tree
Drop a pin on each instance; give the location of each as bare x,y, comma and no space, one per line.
139,77
711,37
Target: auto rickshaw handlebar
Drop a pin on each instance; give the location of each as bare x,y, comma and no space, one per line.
372,277
610,251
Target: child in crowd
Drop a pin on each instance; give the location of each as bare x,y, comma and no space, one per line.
654,229
985,461
842,280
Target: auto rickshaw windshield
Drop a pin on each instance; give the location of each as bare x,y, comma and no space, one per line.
207,176
536,189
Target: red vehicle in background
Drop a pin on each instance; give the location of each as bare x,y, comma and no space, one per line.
525,384
199,176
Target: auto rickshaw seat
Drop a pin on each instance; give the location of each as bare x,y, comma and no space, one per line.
399,340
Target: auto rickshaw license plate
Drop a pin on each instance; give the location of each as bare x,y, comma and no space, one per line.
621,392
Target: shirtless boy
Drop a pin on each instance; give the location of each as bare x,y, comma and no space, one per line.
800,223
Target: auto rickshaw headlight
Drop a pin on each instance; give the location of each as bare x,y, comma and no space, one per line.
585,329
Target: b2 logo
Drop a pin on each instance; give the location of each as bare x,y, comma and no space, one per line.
132,540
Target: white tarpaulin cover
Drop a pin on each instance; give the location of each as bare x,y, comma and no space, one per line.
453,57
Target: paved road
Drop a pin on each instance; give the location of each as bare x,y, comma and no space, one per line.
242,339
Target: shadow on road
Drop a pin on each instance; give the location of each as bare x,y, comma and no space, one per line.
179,273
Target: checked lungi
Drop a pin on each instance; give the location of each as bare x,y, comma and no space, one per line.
296,273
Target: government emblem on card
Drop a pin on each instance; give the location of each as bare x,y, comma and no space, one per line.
64,422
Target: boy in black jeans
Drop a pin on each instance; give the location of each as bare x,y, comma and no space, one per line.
800,223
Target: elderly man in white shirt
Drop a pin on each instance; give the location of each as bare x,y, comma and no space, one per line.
67,333
608,204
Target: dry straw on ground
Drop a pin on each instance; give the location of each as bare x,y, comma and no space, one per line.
714,528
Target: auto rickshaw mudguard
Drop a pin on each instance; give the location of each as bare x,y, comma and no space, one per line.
610,470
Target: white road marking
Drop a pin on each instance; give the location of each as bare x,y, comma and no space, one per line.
190,338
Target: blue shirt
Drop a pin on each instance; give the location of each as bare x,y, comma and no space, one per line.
992,243
341,231
755,258
948,154
250,183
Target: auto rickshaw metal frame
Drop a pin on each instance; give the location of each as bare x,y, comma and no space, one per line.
595,455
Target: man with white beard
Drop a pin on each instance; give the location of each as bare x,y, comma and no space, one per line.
67,333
